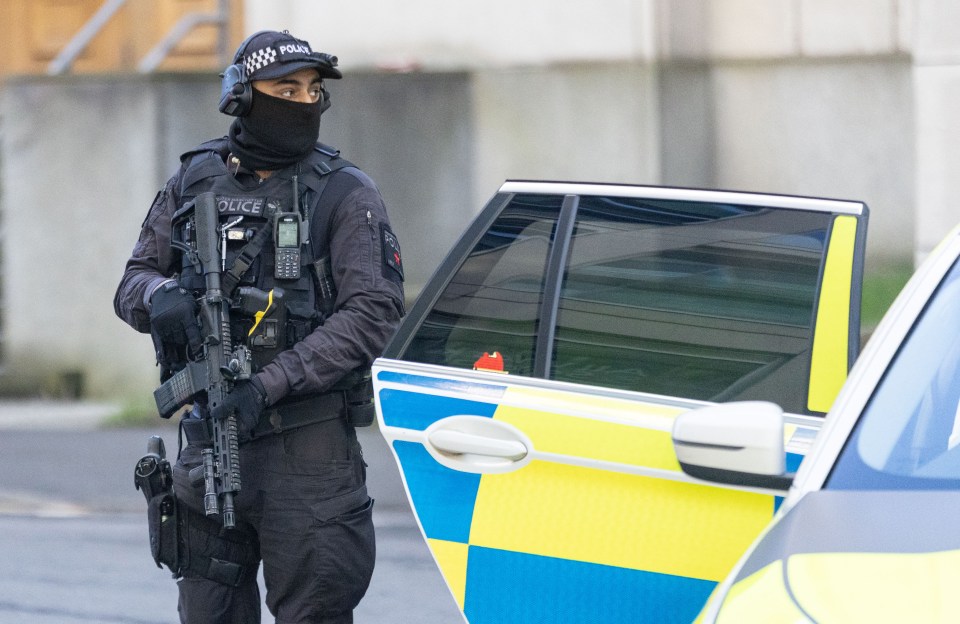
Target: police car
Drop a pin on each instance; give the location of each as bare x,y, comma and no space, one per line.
868,529
530,393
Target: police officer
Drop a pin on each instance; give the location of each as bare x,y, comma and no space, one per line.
303,507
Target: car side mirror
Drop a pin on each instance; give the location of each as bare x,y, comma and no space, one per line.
738,443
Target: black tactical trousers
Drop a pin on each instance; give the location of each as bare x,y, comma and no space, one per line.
303,492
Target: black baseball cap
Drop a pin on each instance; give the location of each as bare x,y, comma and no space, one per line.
270,54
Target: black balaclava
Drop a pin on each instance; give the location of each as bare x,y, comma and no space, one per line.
275,133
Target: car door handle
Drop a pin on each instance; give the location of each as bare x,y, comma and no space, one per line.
460,442
477,444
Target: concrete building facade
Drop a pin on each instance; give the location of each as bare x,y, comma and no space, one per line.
442,102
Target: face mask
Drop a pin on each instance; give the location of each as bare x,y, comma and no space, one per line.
275,133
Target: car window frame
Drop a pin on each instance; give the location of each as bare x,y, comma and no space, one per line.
561,242
552,279
446,270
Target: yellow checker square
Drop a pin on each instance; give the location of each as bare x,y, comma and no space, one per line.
828,365
618,519
451,557
593,439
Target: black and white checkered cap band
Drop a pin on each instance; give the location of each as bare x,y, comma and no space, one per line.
283,53
260,59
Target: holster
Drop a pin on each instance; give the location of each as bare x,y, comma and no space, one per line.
187,542
190,544
227,556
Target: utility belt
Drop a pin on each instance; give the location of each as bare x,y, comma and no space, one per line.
316,409
355,404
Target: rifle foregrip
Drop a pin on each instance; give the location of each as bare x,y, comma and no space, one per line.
231,467
227,449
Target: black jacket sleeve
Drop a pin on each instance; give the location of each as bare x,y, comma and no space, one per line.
150,263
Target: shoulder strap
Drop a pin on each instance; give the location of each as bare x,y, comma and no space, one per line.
203,161
214,145
324,161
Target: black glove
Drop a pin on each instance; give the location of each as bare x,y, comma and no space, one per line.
173,325
246,401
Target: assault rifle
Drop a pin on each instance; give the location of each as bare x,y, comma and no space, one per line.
212,375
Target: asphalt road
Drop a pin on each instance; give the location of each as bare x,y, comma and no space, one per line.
74,540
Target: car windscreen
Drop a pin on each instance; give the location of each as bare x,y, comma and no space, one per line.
908,437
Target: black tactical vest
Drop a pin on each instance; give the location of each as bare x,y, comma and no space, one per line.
273,304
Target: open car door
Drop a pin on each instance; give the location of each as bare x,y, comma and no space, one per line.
529,394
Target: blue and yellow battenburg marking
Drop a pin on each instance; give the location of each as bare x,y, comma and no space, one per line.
561,539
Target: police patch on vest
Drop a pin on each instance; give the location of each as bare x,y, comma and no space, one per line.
249,206
392,263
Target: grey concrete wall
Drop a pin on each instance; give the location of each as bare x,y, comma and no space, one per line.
414,134
799,96
836,129
585,122
81,159
438,35
830,128
937,96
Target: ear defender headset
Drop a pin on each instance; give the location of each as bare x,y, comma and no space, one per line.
236,92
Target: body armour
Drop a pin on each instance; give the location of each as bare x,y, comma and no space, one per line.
276,278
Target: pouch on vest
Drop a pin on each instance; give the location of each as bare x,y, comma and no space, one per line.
162,525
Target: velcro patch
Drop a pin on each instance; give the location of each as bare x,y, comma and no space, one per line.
248,206
392,261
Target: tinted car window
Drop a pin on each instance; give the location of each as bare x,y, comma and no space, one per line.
908,437
492,303
700,300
